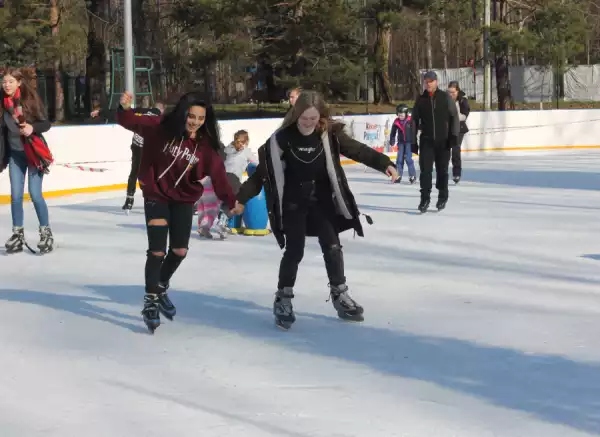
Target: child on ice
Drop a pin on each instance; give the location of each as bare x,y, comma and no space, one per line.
402,136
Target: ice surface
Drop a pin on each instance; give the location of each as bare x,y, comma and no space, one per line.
482,320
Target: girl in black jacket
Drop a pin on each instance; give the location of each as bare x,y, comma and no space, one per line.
462,104
308,195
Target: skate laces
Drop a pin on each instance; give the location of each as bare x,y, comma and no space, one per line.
340,295
285,304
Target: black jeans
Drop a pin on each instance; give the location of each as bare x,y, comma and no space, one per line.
136,158
295,222
178,217
430,153
456,161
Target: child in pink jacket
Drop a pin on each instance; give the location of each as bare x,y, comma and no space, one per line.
208,209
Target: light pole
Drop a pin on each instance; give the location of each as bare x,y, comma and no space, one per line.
487,74
129,62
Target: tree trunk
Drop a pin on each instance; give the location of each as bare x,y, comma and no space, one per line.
59,113
381,77
428,43
444,43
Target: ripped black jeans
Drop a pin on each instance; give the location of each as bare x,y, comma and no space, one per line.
172,222
295,222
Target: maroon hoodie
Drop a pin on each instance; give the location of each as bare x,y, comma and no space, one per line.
171,169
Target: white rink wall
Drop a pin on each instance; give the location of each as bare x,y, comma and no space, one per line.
105,148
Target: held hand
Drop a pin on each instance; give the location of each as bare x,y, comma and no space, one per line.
238,209
26,129
95,113
126,100
392,173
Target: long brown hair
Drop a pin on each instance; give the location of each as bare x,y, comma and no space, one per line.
33,108
307,100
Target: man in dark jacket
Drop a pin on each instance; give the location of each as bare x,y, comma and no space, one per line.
436,117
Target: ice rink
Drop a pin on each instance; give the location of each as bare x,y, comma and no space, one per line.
482,320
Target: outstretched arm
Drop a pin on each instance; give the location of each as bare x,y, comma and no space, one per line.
130,120
220,182
362,153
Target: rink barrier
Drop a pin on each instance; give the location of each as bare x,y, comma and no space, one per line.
107,147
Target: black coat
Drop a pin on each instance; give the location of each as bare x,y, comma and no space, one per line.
436,117
465,109
39,127
270,175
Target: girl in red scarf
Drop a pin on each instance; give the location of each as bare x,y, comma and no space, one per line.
25,152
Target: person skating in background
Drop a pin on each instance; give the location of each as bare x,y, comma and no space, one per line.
435,116
294,93
24,151
180,149
402,136
136,153
237,158
207,209
307,194
462,105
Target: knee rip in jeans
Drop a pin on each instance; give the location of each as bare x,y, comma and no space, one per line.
157,231
155,254
179,253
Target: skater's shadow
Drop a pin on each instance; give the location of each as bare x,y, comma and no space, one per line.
80,305
407,211
553,388
595,257
105,209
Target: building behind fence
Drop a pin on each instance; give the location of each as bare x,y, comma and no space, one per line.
530,84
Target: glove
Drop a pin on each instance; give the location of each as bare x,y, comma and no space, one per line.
451,142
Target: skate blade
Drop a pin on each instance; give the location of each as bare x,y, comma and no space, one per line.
284,326
355,318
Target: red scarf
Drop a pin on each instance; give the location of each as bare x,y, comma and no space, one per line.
37,151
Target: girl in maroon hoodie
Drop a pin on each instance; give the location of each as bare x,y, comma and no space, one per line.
179,150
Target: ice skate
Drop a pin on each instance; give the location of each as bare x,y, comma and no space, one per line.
412,180
220,226
424,205
127,207
398,180
441,204
151,312
165,306
205,233
16,242
283,309
46,244
456,180
345,306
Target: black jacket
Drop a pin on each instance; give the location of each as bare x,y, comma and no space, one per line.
436,117
39,127
402,136
465,109
270,175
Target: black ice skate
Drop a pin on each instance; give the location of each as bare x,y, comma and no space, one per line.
128,206
424,205
412,179
456,179
165,306
346,307
151,312
283,309
46,244
16,242
441,204
398,180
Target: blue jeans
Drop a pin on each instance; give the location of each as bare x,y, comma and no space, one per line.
405,153
17,168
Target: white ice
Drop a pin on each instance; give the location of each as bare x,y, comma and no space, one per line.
482,320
